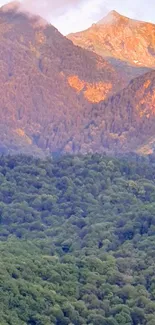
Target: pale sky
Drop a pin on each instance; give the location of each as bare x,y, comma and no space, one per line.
75,15
91,11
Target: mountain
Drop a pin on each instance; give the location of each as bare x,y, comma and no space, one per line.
125,42
47,84
121,38
57,97
126,121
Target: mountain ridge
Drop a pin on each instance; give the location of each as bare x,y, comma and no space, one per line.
56,97
130,121
113,16
120,37
41,68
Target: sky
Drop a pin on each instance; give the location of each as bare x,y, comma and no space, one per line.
75,15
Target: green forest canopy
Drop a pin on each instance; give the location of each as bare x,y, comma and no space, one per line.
77,240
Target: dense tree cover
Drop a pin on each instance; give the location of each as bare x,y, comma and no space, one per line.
48,87
55,96
77,241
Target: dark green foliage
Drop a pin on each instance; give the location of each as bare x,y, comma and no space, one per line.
77,241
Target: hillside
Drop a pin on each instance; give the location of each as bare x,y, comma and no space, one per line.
126,121
77,241
56,97
131,43
46,83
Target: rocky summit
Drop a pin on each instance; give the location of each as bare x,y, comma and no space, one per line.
121,38
128,44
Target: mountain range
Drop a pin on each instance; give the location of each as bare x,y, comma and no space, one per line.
93,91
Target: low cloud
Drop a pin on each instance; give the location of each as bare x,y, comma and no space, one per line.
73,15
50,8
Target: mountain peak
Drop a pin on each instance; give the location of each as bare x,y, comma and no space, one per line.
17,8
11,6
112,17
118,37
114,13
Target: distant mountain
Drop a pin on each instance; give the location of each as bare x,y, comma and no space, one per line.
46,83
57,97
130,42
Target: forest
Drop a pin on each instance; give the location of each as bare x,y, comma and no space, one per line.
77,240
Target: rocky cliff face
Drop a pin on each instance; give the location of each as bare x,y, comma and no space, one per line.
121,38
126,43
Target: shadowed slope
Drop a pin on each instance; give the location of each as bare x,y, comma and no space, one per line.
126,121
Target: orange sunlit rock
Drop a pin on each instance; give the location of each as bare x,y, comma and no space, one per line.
147,101
21,133
120,37
121,40
147,84
76,83
94,92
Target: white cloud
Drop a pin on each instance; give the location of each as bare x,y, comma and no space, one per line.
90,11
78,18
73,15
